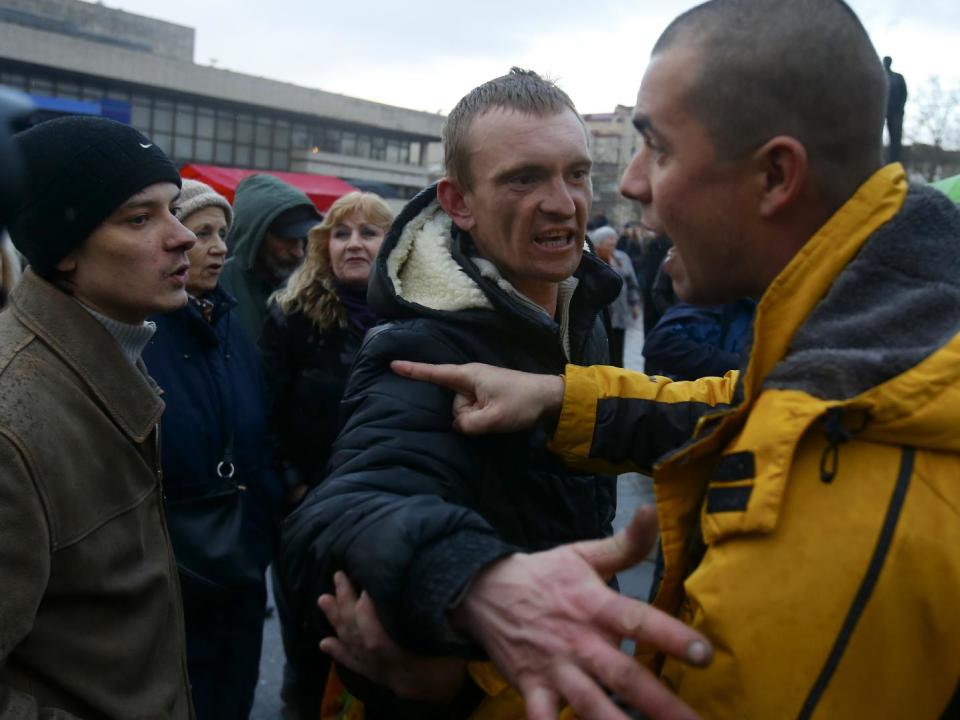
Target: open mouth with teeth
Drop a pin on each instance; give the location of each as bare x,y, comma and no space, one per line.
558,240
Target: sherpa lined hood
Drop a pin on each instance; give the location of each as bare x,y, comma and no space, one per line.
257,203
428,267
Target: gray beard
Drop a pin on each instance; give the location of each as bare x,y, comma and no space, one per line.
280,271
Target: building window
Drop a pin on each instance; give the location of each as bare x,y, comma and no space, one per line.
393,151
281,135
93,92
225,125
331,141
300,137
185,115
206,131
164,141
363,146
204,151
68,90
348,144
263,133
182,147
223,153
205,123
14,80
162,117
41,86
244,128
242,156
140,113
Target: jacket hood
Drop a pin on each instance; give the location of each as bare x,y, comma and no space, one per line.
428,267
258,201
885,338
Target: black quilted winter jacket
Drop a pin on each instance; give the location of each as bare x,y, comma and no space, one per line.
412,510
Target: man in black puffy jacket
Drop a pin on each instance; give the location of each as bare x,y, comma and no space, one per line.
449,535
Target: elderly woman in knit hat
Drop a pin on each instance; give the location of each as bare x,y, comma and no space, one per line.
222,498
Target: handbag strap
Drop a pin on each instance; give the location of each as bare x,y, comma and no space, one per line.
225,468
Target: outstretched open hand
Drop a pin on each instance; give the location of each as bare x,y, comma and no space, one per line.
553,628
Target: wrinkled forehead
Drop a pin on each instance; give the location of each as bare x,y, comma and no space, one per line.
207,214
504,135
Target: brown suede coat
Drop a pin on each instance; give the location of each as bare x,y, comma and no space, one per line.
91,624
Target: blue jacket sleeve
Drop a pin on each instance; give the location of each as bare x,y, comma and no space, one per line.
685,345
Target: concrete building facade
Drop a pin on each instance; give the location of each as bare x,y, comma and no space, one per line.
613,143
71,51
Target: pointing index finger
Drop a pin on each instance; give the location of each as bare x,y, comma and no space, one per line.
452,377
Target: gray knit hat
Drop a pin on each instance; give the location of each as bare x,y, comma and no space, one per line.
195,195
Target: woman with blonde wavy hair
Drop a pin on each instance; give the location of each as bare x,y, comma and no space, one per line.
314,328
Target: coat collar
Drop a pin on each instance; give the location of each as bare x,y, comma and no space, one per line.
126,393
803,283
793,295
426,267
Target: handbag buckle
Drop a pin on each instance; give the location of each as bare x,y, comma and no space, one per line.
225,469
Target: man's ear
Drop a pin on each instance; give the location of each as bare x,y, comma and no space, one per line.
782,162
452,200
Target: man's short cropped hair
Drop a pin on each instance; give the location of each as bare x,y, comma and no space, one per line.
802,68
520,90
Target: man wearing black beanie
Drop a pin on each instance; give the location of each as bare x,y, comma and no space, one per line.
91,623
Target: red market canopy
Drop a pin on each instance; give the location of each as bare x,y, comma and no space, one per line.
323,190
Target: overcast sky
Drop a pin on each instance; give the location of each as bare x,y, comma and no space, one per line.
425,54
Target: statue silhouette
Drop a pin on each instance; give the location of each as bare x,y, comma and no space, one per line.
896,99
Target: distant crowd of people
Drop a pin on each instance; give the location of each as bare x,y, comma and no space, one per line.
413,422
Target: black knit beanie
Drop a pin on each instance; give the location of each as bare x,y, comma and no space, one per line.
78,171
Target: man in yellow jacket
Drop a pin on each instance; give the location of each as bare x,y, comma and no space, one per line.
809,503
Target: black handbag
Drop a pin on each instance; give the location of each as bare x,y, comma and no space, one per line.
211,541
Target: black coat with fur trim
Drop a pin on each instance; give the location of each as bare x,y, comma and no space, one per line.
412,510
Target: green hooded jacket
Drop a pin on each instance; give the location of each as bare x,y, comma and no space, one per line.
258,201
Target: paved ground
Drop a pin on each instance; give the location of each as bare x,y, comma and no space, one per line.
266,705
632,490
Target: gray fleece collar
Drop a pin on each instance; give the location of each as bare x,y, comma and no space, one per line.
895,304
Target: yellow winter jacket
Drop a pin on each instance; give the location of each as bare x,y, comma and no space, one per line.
811,526
809,506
